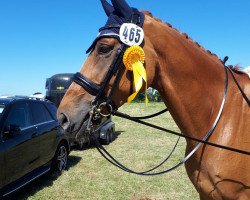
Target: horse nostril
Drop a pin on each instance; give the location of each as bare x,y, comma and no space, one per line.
63,121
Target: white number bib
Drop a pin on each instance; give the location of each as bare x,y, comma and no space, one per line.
131,34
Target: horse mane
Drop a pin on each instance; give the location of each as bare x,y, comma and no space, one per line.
235,68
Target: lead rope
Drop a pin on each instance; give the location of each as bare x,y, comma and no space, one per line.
114,161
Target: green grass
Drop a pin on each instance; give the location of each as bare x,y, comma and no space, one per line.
91,177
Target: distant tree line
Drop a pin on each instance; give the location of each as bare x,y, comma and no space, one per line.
153,95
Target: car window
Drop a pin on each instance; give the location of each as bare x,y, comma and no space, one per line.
1,109
19,116
48,115
39,113
52,109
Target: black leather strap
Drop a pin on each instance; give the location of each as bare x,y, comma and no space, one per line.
91,87
239,87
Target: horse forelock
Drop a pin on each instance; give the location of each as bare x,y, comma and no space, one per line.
185,35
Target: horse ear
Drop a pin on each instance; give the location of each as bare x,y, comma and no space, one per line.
122,7
107,7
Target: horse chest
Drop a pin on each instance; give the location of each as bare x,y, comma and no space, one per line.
215,180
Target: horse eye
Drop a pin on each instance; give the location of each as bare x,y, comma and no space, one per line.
104,49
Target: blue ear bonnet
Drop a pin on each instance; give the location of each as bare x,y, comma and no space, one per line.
117,15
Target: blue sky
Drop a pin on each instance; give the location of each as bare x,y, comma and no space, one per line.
39,38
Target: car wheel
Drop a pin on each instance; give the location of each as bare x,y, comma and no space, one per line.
61,158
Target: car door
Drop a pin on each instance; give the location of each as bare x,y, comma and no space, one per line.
46,129
21,149
2,168
2,152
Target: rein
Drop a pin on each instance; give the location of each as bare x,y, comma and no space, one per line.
83,81
103,100
115,162
238,85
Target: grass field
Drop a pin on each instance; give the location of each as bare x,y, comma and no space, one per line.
90,177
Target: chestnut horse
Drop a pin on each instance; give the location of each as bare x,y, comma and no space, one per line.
191,82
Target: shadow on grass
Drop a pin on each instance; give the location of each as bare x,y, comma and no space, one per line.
91,145
42,182
116,134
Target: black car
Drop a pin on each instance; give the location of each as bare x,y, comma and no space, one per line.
31,142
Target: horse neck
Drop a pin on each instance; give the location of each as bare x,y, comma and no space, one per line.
190,80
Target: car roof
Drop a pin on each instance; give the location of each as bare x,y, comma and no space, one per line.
62,76
8,99
4,100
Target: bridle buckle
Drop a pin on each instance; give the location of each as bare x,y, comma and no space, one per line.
108,107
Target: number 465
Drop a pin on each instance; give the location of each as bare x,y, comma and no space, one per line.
132,34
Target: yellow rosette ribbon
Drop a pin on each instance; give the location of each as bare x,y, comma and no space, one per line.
133,60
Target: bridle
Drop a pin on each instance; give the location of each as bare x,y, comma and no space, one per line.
115,69
105,100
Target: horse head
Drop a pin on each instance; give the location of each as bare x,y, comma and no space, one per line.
73,111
